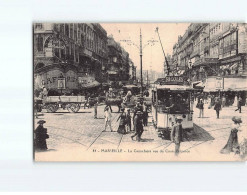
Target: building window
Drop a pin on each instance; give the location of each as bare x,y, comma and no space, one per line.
71,31
62,28
67,30
38,26
40,43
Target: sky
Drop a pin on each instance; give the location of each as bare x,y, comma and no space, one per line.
153,57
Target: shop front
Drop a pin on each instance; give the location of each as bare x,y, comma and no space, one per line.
229,86
56,81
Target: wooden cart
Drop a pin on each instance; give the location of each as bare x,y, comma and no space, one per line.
71,103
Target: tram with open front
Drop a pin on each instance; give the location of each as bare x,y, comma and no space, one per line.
171,98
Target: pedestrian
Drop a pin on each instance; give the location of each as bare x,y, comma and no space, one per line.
145,116
200,106
45,93
122,123
223,101
128,121
177,134
217,108
95,109
212,100
239,104
232,144
107,118
138,126
235,103
40,136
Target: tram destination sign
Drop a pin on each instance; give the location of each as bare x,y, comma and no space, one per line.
172,80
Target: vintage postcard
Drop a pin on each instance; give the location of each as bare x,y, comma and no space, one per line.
140,91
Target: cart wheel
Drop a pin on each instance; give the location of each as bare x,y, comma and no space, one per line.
56,107
68,107
74,107
78,107
50,108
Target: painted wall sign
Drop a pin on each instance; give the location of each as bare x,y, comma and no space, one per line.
61,83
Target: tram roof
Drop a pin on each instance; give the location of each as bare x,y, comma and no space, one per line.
174,87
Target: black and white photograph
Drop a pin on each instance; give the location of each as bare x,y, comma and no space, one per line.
139,91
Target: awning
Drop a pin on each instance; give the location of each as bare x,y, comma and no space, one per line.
88,82
199,85
112,72
130,86
90,85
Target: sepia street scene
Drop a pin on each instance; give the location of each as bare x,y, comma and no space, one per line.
140,91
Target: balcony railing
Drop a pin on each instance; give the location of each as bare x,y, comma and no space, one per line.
202,61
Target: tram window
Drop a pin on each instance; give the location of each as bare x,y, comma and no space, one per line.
177,102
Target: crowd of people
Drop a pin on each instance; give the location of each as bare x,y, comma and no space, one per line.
139,120
217,103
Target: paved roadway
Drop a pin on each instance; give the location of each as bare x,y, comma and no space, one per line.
79,137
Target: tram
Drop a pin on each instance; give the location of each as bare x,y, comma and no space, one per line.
172,98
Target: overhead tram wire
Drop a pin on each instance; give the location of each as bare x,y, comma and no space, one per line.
168,67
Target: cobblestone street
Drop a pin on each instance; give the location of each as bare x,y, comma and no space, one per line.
78,136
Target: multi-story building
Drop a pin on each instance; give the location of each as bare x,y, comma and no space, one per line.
212,49
118,62
172,67
132,72
70,51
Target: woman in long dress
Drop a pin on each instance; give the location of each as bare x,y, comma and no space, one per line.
122,123
232,143
242,139
235,103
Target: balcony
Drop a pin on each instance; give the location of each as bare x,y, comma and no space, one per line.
205,61
195,53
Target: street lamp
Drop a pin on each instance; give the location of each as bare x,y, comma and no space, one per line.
150,42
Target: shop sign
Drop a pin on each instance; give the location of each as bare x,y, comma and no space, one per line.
172,80
61,83
219,81
48,52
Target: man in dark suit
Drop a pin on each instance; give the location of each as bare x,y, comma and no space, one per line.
138,126
217,108
177,134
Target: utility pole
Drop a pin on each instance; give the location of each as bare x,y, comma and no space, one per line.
141,62
147,77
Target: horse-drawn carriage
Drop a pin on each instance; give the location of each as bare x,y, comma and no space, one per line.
71,103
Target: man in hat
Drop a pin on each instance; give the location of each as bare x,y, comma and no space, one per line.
170,103
95,109
40,136
138,126
177,133
239,104
217,108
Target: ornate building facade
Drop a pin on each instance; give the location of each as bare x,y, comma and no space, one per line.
211,49
118,62
75,52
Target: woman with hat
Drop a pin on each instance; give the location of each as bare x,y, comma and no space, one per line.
122,123
40,136
232,144
242,140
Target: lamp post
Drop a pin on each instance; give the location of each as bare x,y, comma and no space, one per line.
140,47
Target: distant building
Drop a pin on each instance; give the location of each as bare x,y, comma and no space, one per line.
118,62
132,72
